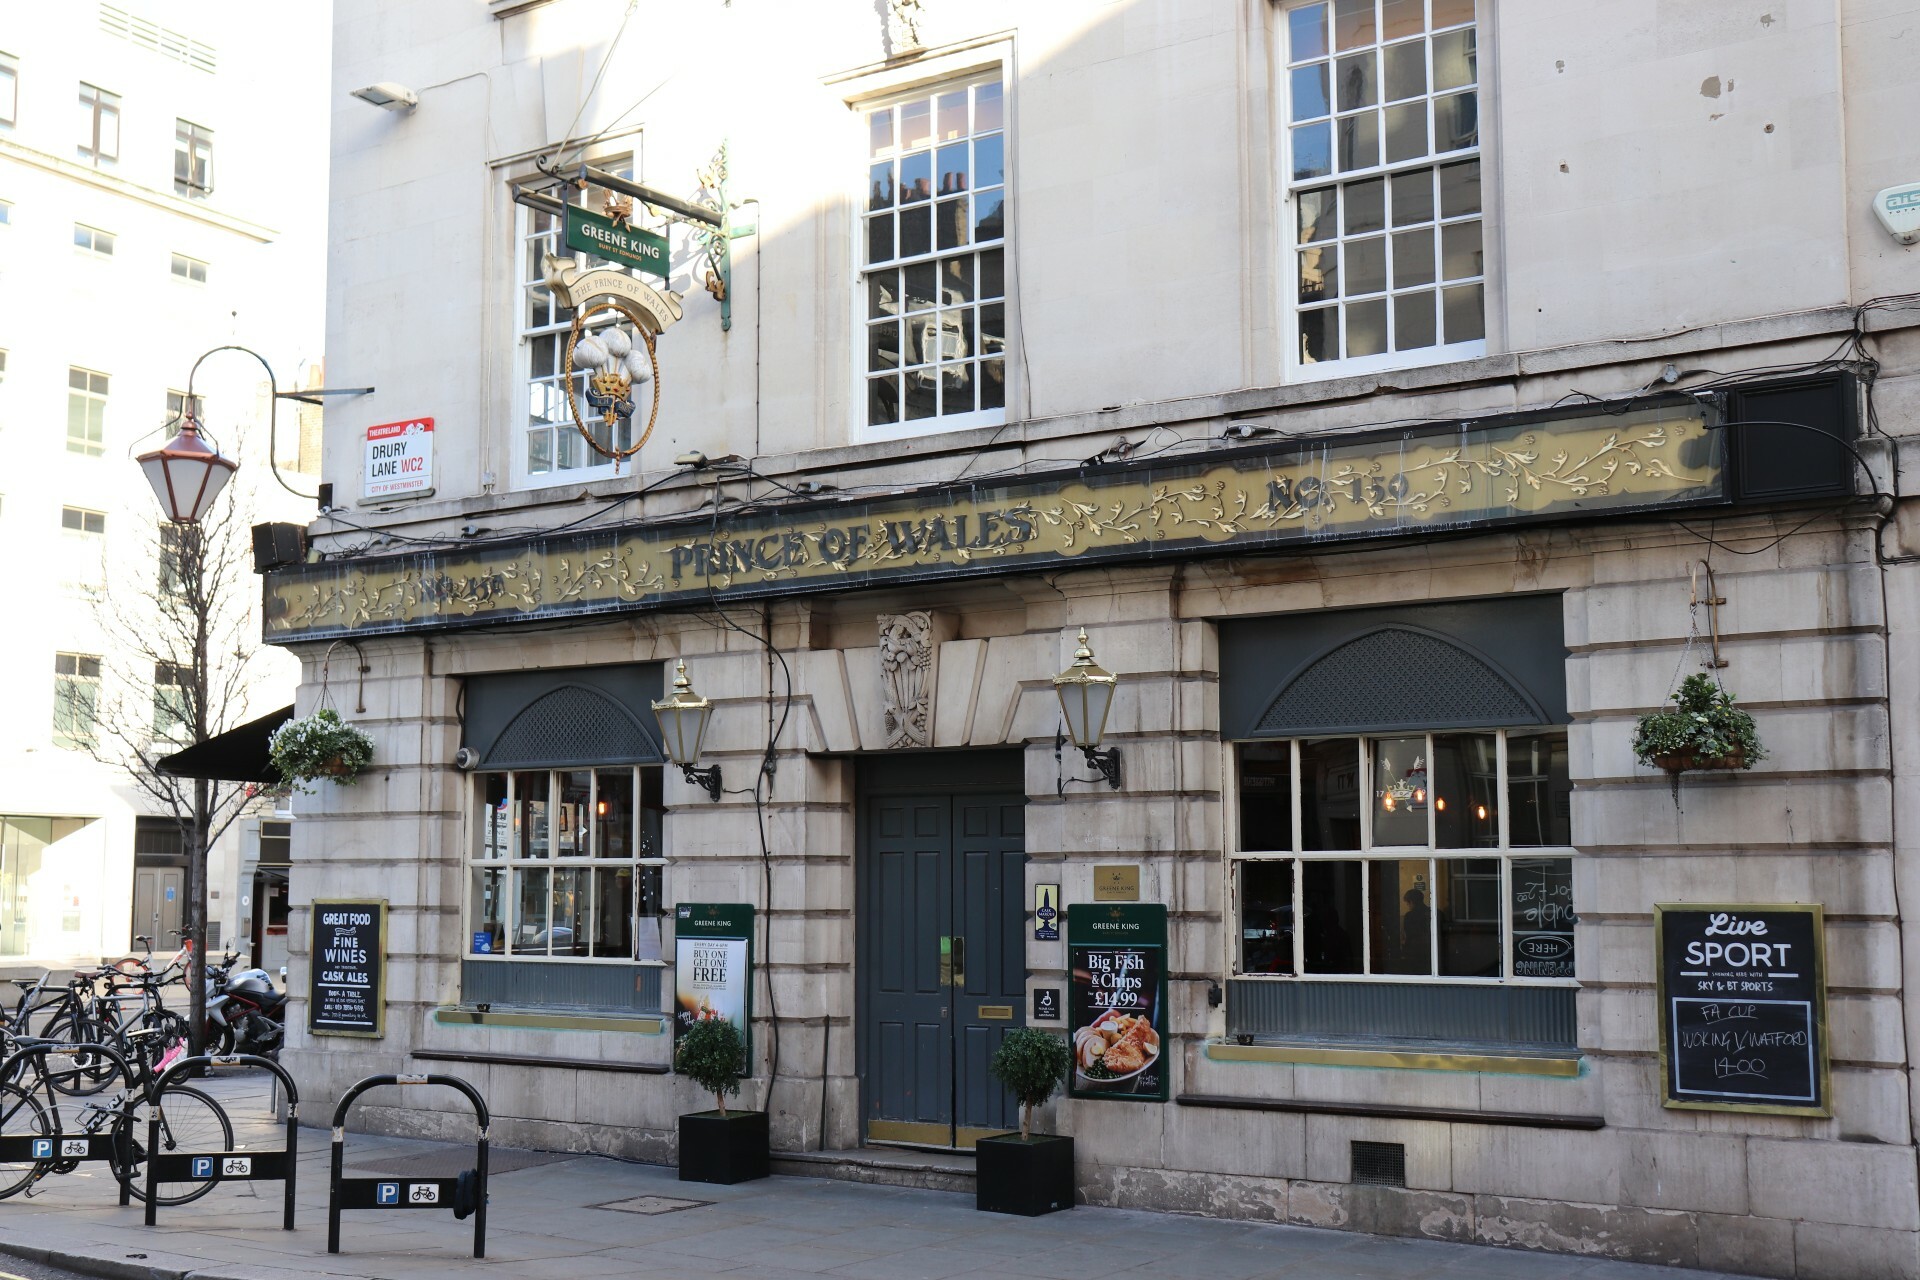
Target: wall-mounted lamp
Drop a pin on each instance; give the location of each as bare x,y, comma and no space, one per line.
388,96
683,724
1086,695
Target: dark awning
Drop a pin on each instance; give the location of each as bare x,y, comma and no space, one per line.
238,755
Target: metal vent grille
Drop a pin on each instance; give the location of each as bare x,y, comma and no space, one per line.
1384,1164
572,725
1397,677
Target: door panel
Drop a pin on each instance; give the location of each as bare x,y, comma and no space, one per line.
944,962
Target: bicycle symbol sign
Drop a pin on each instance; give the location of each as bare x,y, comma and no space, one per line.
424,1193
237,1166
43,1148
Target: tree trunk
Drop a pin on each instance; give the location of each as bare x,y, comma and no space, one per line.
1026,1120
721,1098
197,922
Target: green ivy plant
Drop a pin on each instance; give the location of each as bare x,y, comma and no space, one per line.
709,1054
1705,730
319,746
1032,1064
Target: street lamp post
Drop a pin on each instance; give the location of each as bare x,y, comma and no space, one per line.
187,476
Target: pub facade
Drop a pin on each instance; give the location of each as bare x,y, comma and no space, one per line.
1389,502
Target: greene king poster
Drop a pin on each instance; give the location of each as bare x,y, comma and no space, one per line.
1118,955
713,967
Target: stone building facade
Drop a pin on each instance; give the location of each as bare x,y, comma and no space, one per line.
1431,388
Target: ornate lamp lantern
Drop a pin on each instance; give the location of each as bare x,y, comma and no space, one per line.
186,475
1086,695
683,725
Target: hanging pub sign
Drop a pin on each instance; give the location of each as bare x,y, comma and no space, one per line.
1743,1007
1566,464
713,968
1117,1012
349,964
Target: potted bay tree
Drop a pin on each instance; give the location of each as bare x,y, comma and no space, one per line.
1026,1173
719,1145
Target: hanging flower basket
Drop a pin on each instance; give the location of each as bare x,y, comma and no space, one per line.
319,746
1704,731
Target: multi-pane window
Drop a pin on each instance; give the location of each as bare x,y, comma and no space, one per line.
6,213
76,699
1383,142
93,240
99,125
173,557
1433,855
80,520
86,412
935,258
567,864
189,268
171,685
553,442
192,160
9,90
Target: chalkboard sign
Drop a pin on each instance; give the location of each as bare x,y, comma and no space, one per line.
349,968
1743,1007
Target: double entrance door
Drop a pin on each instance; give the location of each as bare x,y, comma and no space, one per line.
942,954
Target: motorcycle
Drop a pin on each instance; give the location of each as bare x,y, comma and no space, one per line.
245,1013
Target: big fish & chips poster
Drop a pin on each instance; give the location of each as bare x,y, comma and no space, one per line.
1118,1004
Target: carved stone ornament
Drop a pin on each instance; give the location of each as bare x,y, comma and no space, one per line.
903,26
907,647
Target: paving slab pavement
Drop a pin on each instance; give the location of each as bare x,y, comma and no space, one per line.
584,1217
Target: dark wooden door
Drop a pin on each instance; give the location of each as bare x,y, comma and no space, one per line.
942,960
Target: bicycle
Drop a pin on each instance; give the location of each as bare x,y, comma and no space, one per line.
189,1121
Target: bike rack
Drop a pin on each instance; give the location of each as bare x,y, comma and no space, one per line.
58,1147
457,1193
219,1166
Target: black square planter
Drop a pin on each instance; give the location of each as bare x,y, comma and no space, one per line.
1027,1176
729,1148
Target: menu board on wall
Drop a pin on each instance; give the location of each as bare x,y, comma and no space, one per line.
1743,1007
713,968
348,993
1117,954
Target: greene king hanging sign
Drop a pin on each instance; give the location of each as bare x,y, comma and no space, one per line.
612,239
399,459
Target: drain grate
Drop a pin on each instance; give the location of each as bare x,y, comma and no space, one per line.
1383,1164
651,1205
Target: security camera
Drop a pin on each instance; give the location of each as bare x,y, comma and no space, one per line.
465,758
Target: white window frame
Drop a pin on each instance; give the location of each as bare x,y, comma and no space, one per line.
479,860
9,91
89,448
521,283
76,679
183,268
171,712
1506,853
104,104
1296,370
93,240
931,81
195,143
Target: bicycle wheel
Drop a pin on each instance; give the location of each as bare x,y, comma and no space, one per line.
190,1123
22,1116
82,1073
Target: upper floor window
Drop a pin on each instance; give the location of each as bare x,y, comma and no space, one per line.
99,125
9,90
554,448
76,699
93,240
935,259
192,160
189,269
172,701
1382,146
176,560
86,412
80,520
1436,855
6,213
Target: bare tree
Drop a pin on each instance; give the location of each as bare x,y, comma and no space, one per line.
177,617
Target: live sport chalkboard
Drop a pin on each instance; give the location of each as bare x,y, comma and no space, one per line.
349,968
1743,1007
